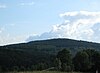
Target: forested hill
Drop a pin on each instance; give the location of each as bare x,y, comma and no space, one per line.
33,54
53,45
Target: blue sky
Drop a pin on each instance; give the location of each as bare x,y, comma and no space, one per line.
20,19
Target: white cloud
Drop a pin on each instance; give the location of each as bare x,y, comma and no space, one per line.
2,6
2,29
8,39
27,4
81,25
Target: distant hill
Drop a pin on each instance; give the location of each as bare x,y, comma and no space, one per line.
53,45
34,52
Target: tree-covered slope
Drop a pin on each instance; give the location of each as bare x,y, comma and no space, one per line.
53,45
36,53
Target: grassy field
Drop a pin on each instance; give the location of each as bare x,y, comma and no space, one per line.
44,72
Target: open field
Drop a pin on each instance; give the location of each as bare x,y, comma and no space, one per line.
45,72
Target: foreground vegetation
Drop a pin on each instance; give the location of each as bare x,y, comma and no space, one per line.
84,61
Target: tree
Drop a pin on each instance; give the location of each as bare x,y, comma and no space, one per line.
57,64
96,60
16,68
0,69
81,61
66,60
90,53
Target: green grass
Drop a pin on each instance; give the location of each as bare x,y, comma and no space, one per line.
44,72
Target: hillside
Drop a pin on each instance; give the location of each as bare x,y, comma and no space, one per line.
37,52
53,45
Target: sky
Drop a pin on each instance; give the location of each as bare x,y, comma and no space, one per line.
29,20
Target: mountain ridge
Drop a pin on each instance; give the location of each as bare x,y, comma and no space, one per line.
51,39
56,43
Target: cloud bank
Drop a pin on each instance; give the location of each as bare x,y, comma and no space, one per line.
79,25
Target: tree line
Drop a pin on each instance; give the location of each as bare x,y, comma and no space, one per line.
84,61
87,60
